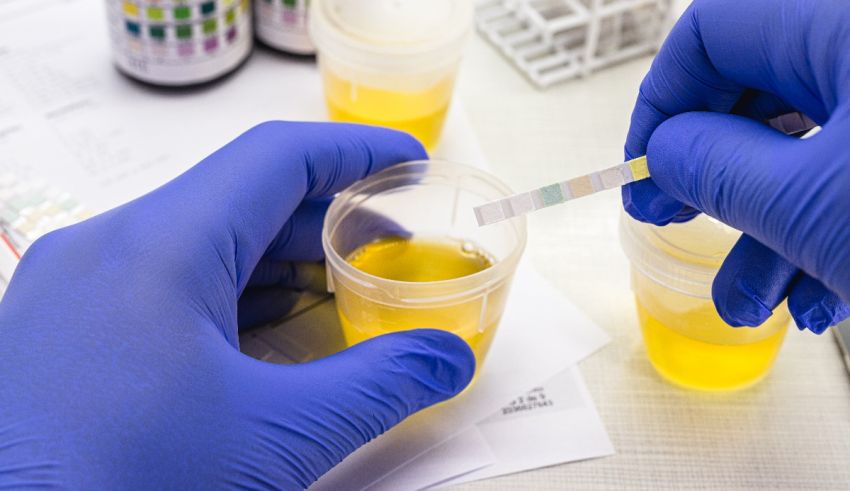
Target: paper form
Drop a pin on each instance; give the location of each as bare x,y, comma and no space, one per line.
551,424
15,9
69,117
464,454
92,131
540,335
64,112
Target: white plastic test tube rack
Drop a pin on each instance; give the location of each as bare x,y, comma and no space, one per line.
555,40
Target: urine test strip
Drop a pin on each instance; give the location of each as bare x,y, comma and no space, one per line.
561,192
793,123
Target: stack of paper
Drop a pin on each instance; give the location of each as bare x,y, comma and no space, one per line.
549,425
480,434
66,115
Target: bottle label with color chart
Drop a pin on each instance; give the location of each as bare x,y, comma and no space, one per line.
282,24
179,42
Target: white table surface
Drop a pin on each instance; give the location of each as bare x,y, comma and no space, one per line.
791,431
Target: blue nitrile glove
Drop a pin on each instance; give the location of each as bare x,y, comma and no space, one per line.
727,66
119,366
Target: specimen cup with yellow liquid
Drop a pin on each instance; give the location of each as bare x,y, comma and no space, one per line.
391,64
404,251
686,340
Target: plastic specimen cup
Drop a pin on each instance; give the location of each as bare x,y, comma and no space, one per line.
402,253
391,63
687,342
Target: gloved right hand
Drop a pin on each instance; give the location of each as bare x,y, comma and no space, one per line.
727,66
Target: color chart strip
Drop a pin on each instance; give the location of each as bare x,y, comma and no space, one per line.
561,192
183,22
151,34
178,11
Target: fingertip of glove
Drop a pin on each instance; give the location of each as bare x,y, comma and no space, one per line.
438,359
819,316
815,319
739,306
629,205
644,202
686,214
455,361
404,145
387,144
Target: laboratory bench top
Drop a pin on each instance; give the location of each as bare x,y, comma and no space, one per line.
791,431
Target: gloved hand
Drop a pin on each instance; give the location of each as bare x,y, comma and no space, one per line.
726,67
119,361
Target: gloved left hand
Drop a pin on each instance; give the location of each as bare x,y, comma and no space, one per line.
119,361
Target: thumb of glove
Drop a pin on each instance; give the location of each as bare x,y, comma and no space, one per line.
730,167
324,410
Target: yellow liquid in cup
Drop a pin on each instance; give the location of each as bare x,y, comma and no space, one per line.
420,113
690,345
421,260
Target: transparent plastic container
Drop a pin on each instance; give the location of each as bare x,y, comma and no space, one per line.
687,342
391,62
431,200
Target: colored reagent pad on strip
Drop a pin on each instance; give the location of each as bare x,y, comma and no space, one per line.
561,192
